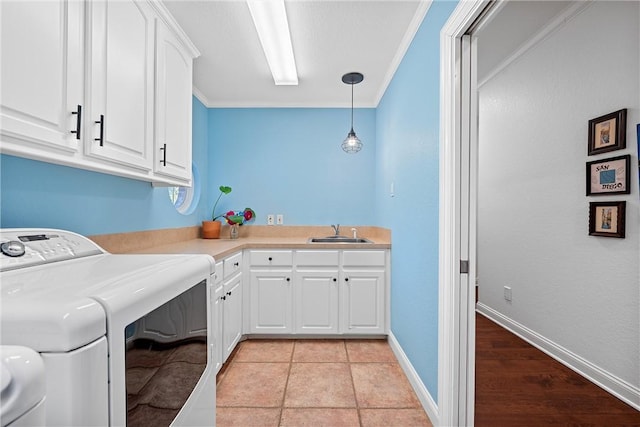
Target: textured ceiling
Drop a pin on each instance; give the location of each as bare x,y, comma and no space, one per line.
329,37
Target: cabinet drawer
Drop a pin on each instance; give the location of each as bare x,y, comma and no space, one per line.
270,258
219,274
363,258
232,264
317,258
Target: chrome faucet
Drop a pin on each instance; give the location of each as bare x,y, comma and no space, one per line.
336,228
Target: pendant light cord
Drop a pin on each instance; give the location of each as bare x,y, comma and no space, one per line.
352,107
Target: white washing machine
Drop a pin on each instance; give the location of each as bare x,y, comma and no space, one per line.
22,386
86,311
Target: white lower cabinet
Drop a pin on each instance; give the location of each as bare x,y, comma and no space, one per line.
216,324
270,292
316,301
318,292
226,308
232,314
270,302
364,295
363,302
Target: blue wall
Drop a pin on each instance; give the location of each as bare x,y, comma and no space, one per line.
407,132
289,161
37,194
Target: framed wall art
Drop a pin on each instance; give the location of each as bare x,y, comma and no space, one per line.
607,219
609,176
608,132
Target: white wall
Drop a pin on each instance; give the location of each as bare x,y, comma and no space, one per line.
577,292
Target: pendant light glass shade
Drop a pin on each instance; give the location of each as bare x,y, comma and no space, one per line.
352,143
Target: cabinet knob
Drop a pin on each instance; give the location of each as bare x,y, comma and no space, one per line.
335,280
229,293
223,297
270,259
346,279
236,264
288,279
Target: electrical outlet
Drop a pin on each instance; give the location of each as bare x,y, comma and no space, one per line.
270,219
280,219
507,293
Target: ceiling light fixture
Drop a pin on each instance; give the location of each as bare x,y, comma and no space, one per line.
352,143
270,20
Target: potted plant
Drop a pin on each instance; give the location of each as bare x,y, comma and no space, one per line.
211,229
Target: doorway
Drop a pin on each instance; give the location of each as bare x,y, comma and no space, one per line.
459,159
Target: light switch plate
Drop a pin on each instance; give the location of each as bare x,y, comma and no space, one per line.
280,219
270,219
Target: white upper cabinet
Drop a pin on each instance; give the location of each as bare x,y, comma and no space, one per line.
121,76
173,106
103,85
42,77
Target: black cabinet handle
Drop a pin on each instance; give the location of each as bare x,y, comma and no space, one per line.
229,293
236,264
346,279
288,279
78,121
270,259
223,297
335,280
164,154
101,139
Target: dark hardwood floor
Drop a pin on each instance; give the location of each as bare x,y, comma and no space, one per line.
518,385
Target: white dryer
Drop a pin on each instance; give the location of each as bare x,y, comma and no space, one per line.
86,311
22,386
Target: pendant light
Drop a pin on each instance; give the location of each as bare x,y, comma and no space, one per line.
352,143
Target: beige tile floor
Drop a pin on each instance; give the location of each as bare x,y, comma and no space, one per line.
316,383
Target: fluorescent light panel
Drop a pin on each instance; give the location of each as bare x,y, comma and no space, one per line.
270,19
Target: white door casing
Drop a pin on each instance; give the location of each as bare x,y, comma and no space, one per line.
458,157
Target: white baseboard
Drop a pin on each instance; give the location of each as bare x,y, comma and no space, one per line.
429,405
621,389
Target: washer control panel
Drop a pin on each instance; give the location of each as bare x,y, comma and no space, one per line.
23,247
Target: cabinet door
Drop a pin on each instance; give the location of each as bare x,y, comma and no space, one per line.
363,302
217,326
173,107
316,302
41,77
270,302
120,121
232,314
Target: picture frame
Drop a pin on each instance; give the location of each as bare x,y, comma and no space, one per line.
608,132
609,176
607,219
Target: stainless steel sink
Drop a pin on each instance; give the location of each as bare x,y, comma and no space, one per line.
338,239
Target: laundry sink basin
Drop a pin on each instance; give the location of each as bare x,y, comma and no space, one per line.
338,239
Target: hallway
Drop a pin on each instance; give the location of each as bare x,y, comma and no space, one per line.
518,385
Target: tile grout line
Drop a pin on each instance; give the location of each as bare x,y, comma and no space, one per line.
353,384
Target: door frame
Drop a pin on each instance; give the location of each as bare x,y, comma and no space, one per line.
458,160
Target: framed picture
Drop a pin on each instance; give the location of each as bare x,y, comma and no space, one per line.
609,176
608,132
606,219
